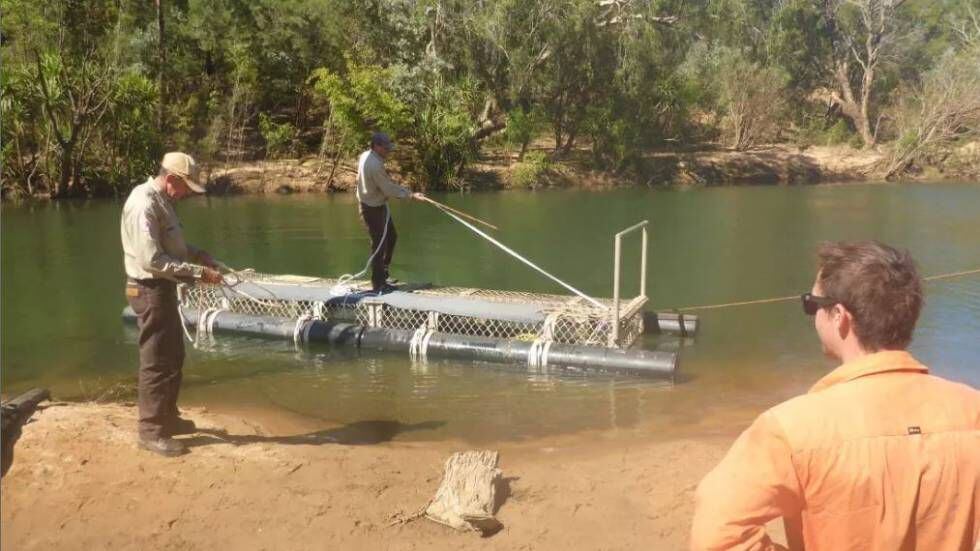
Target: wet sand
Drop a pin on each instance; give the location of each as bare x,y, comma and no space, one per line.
79,481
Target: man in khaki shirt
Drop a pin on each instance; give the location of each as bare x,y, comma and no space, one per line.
156,258
374,187
879,455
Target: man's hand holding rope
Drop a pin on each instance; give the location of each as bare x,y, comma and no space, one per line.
211,272
210,275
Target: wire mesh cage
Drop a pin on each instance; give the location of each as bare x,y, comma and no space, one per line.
563,319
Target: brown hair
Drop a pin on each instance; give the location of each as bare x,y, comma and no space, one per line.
879,285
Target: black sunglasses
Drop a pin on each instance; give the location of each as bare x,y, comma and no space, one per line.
812,303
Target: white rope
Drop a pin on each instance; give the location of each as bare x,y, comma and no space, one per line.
233,287
212,318
548,328
341,288
424,345
202,320
320,310
306,330
537,355
205,319
201,328
532,353
524,260
302,330
205,324
181,288
418,347
415,345
183,324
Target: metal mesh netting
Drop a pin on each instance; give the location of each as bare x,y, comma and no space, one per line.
566,320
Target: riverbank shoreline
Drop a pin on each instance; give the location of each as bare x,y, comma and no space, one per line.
776,165
78,480
500,169
497,170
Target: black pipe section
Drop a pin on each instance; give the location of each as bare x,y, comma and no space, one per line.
650,363
674,323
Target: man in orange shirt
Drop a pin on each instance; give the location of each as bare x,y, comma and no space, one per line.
879,455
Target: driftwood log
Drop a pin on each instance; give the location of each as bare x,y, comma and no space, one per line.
15,413
467,497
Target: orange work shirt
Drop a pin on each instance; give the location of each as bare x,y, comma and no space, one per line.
879,455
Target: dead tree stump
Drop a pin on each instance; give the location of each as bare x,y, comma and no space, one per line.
466,499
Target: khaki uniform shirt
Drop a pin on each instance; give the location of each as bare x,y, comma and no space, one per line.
879,455
374,186
152,237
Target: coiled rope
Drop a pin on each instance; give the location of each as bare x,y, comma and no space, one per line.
341,288
206,319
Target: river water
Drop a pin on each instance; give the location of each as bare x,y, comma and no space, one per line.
62,284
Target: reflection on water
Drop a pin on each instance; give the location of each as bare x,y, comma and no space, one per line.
477,401
62,276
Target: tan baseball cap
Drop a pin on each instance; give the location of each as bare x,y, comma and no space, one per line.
183,165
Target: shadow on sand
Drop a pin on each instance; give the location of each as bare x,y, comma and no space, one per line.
357,433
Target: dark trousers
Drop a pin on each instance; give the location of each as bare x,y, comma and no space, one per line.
374,220
161,342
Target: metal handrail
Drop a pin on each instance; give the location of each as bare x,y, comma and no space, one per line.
617,261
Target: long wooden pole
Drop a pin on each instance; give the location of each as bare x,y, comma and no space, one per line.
463,214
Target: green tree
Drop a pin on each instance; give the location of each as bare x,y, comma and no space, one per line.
359,102
442,131
66,80
942,110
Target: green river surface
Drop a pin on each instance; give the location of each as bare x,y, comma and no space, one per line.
62,295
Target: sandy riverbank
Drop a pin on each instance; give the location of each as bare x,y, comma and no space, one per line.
707,165
778,164
79,482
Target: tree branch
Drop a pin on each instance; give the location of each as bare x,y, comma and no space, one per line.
47,100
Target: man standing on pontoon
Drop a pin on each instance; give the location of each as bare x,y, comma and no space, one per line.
374,187
156,257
